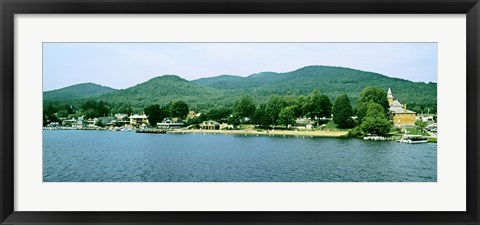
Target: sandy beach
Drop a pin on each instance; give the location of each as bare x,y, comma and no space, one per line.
267,133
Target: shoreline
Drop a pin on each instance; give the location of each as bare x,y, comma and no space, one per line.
266,133
248,132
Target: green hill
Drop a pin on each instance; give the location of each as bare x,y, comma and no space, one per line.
76,92
223,90
163,89
332,81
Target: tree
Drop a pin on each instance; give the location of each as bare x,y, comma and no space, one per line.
122,108
244,107
102,109
421,125
368,95
310,107
234,119
62,113
94,109
179,109
342,112
218,113
49,114
91,113
99,123
317,106
260,117
301,100
375,121
325,106
155,114
287,116
66,109
275,104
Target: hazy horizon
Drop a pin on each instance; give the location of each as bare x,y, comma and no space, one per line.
123,65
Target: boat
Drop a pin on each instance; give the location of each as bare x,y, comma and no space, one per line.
374,138
371,137
413,139
151,131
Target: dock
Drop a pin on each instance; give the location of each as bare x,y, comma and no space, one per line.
151,131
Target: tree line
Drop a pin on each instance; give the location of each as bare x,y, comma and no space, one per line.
95,109
369,116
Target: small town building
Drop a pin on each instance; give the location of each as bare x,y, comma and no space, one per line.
118,123
92,123
137,120
226,126
69,122
210,125
309,126
53,124
169,124
398,112
120,116
192,114
79,124
426,118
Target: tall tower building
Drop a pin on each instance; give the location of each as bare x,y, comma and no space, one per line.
390,97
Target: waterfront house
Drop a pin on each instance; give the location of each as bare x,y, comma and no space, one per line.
226,126
69,122
426,118
137,120
79,124
118,123
398,112
169,124
92,123
53,124
210,125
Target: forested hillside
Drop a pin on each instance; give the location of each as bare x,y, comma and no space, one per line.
331,81
225,89
76,92
163,89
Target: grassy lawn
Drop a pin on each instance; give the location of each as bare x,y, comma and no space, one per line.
246,126
331,126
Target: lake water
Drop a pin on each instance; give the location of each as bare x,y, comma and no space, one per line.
106,156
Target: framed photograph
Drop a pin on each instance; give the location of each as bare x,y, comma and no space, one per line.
243,112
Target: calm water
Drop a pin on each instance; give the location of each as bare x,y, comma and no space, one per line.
105,156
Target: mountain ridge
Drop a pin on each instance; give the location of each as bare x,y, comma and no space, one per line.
77,91
225,89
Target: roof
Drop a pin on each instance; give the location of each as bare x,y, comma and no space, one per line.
169,124
400,110
138,116
389,93
396,103
210,121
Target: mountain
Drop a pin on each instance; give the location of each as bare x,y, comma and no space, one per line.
332,81
163,89
223,90
76,92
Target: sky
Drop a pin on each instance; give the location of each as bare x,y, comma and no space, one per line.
122,65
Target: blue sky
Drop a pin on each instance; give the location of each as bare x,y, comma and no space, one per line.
122,65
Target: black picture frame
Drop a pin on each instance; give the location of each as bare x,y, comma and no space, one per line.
11,7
